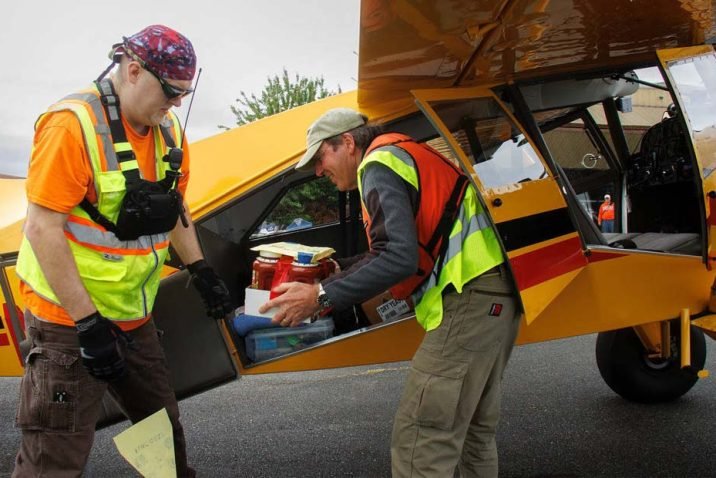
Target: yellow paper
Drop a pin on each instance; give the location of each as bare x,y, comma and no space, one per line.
292,249
149,446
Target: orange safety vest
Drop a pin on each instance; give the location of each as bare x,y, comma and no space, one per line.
606,212
441,189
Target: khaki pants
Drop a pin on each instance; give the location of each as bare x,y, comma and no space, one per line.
60,402
450,406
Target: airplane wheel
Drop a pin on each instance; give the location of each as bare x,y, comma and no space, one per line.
626,368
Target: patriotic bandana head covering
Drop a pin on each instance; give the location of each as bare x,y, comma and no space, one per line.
166,52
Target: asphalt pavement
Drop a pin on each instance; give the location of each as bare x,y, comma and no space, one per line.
559,420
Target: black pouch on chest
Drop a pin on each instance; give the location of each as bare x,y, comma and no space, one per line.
148,208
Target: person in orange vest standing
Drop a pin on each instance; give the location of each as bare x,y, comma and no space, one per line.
429,239
606,215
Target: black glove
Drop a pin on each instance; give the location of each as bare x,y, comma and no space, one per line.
213,291
102,345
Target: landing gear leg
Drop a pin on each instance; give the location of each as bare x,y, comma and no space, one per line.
629,370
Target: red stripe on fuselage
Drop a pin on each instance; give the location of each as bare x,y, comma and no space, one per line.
547,263
596,256
553,261
13,333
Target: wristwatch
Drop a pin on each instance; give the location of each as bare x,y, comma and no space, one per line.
323,301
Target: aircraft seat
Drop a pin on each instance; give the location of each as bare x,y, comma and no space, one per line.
678,243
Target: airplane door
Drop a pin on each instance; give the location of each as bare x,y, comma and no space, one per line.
197,355
520,193
691,73
195,350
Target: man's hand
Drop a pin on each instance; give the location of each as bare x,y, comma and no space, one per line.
297,302
102,346
213,291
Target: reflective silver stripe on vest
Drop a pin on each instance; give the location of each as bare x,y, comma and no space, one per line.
470,226
399,153
101,128
106,89
474,224
94,236
480,218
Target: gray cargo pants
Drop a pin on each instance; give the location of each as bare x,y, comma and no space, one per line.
60,402
450,406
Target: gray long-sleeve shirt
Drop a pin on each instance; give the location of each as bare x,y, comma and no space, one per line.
391,204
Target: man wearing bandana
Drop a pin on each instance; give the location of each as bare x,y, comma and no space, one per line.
90,269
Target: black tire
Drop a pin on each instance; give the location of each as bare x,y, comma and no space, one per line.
626,368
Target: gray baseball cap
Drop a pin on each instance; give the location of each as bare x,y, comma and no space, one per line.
332,123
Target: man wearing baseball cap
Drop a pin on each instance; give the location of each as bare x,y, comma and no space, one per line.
430,242
605,218
104,205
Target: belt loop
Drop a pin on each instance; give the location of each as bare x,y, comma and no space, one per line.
31,328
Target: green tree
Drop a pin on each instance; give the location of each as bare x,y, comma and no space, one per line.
315,201
281,93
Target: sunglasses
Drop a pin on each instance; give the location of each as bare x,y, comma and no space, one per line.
170,91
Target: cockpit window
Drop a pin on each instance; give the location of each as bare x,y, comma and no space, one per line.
307,205
499,152
697,86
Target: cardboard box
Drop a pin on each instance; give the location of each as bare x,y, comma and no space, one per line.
383,308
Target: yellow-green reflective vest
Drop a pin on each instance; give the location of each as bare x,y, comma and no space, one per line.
472,249
121,277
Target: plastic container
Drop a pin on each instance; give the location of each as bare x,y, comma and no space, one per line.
263,344
264,268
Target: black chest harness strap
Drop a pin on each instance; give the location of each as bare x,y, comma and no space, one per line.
148,207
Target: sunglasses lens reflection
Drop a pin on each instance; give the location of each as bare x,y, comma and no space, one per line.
171,92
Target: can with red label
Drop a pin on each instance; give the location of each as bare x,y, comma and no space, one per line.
303,270
263,270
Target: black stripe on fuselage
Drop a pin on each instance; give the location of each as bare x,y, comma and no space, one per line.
529,230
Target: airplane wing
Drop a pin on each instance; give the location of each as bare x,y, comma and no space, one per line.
12,213
407,45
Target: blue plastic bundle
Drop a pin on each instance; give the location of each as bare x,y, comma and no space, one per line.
243,324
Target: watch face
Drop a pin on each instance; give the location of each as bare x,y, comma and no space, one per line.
324,301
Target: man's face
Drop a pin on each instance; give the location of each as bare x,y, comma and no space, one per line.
338,164
147,104
155,104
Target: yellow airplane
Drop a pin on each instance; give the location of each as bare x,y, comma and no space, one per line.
549,106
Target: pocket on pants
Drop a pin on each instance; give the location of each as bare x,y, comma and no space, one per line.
453,309
489,321
432,391
48,391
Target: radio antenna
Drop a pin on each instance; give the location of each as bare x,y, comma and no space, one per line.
188,110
